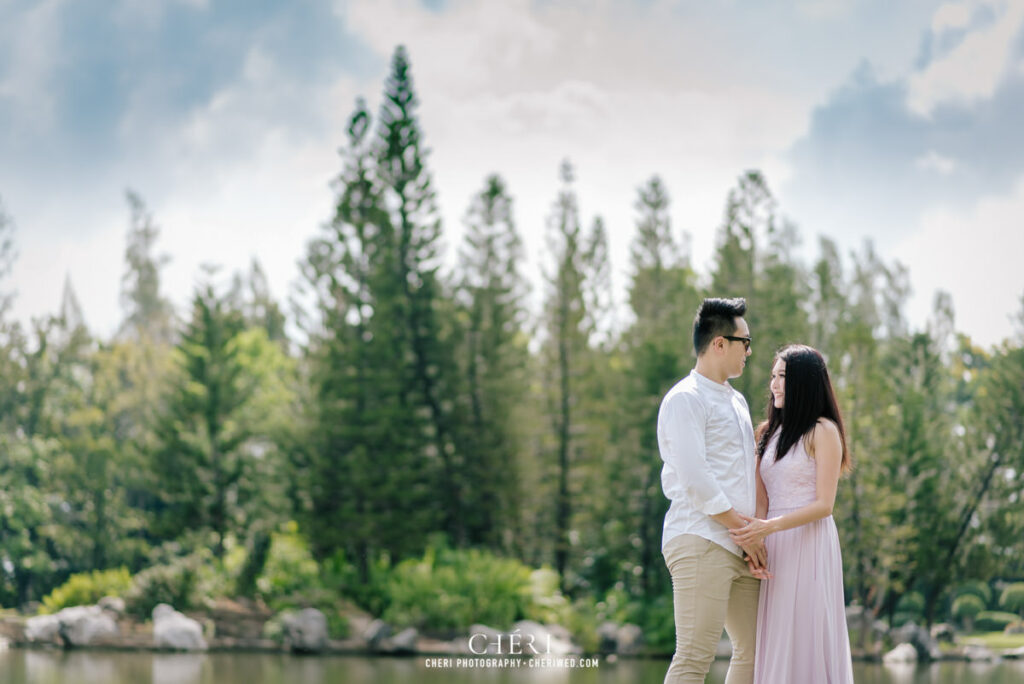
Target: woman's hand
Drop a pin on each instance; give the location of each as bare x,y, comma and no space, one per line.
752,533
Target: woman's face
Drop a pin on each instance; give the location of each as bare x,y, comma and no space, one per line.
778,383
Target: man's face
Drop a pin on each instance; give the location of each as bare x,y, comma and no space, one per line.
736,351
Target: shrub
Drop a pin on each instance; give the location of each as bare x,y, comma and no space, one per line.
911,603
449,590
1012,598
290,569
977,588
993,621
967,607
175,583
369,593
87,588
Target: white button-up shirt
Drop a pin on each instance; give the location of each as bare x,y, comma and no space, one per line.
707,444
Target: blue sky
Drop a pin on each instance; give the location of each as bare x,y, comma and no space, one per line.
895,122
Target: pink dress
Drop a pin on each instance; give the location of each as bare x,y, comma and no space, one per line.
801,615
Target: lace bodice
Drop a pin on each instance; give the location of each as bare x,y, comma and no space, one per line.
791,482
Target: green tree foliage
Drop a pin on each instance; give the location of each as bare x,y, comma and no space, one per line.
966,608
421,307
657,351
494,361
563,353
1012,598
203,453
382,350
251,295
147,312
755,260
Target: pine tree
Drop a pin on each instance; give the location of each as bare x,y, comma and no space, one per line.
755,261
563,352
421,307
494,362
663,297
200,459
147,312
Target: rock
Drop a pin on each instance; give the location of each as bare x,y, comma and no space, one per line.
943,631
536,639
608,637
83,625
1014,653
630,638
405,641
174,631
483,639
74,626
112,604
42,628
918,637
904,653
975,653
305,631
559,632
377,631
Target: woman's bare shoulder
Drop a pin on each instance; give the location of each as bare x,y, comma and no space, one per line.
825,433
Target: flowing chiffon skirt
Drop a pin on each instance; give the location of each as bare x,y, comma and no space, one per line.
801,617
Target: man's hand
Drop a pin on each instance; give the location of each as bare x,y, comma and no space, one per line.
755,553
756,556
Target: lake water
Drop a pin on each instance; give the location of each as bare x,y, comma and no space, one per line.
19,666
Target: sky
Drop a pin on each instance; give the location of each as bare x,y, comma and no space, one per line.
896,123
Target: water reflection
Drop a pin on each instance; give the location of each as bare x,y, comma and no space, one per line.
57,667
178,668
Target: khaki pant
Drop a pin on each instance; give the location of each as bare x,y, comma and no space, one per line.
712,588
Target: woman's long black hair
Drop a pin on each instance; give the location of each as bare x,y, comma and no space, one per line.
808,397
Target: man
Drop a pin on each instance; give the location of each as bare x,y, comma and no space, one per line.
706,441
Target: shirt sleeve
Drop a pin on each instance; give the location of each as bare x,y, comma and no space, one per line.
683,433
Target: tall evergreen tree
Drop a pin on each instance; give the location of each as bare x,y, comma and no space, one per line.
200,460
494,362
754,260
421,307
147,312
564,350
663,297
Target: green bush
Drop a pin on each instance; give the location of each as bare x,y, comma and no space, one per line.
175,583
1012,598
911,603
369,593
290,569
977,588
967,607
87,588
993,621
449,590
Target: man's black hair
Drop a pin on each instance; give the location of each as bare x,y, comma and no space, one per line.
716,317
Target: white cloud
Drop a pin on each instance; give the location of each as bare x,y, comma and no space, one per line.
974,255
952,16
974,68
624,93
933,161
27,87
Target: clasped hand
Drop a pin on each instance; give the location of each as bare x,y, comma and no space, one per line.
750,538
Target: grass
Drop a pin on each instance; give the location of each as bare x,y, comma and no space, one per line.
995,640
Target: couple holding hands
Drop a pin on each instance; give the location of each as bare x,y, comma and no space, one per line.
749,537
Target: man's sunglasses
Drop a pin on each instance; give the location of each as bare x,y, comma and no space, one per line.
744,340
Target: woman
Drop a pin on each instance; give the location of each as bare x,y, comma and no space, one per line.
801,449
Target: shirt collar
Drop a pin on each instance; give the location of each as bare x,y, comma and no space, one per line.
709,384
